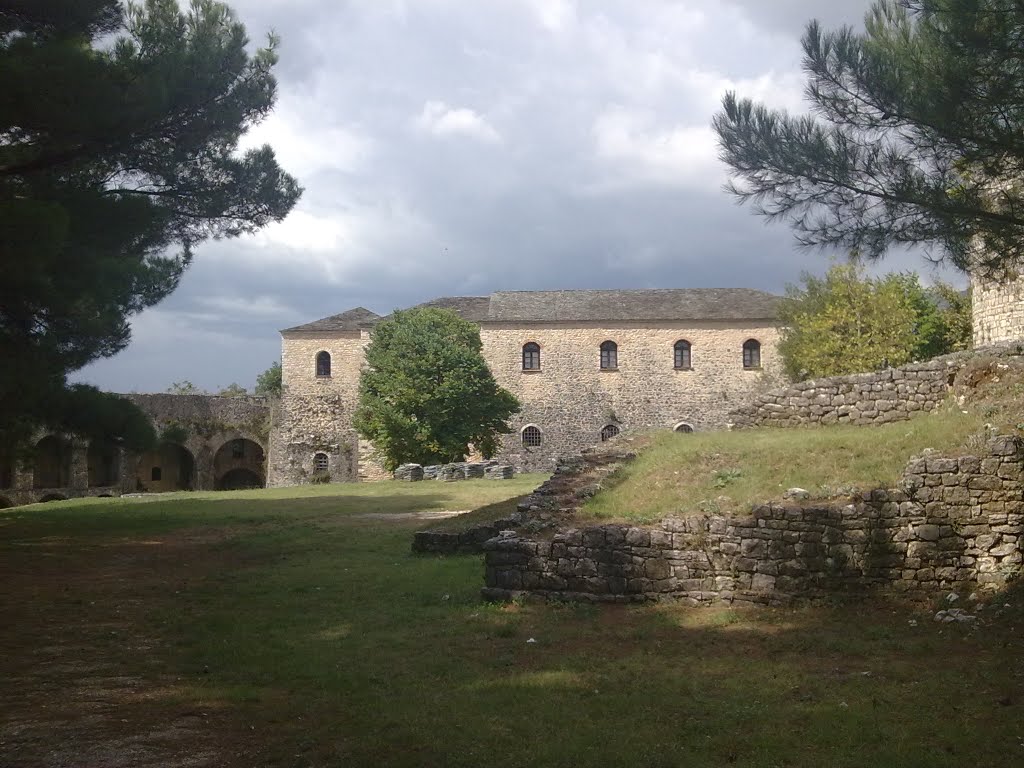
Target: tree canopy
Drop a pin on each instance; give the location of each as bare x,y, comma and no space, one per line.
268,383
427,393
916,136
119,152
848,322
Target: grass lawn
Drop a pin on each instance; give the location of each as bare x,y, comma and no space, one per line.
679,474
293,628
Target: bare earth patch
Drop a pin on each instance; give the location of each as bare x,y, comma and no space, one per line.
78,686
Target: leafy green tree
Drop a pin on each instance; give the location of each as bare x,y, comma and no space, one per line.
916,135
268,383
427,393
234,389
185,388
847,322
119,131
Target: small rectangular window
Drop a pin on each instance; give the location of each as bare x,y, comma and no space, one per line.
156,474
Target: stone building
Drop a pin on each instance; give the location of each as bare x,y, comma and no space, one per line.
209,442
997,309
586,365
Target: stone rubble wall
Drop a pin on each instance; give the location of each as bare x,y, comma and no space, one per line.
952,522
893,394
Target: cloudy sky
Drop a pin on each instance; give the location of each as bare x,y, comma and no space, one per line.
457,147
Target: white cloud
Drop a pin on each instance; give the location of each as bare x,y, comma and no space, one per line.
554,15
438,119
642,151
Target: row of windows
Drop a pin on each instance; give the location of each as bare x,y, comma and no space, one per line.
532,437
681,353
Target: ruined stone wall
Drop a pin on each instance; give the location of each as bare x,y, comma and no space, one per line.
952,522
997,310
879,397
315,412
570,399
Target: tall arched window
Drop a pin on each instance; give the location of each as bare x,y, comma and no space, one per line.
682,354
751,353
532,437
531,356
323,363
609,356
320,462
608,432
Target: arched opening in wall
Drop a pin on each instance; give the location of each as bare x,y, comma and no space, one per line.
239,464
6,472
320,462
239,479
323,364
52,466
608,431
532,437
169,468
682,426
609,356
681,357
52,497
5,502
751,353
104,461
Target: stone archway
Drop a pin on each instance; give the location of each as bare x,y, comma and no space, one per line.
5,502
53,497
239,463
103,459
52,465
169,468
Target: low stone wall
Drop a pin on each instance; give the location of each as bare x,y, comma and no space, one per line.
952,522
893,394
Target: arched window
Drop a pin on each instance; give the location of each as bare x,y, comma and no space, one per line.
531,437
320,462
751,353
609,356
682,427
608,432
531,356
323,363
682,354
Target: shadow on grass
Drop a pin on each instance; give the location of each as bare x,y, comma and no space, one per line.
326,644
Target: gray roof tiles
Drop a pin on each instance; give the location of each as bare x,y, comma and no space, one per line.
653,304
583,306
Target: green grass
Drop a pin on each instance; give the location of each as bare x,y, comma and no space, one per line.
725,472
295,627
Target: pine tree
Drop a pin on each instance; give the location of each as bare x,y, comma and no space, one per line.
916,136
119,131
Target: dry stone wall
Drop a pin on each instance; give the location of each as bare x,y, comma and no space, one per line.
952,522
893,394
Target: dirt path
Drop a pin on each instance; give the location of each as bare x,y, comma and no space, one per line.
78,685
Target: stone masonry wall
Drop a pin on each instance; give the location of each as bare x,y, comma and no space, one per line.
315,412
997,310
879,397
570,399
953,522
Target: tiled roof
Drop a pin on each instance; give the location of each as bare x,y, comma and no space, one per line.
654,304
582,306
352,320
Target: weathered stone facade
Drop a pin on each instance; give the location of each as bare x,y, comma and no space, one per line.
569,398
997,309
213,442
952,522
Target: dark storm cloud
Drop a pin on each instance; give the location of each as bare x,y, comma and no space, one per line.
452,147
